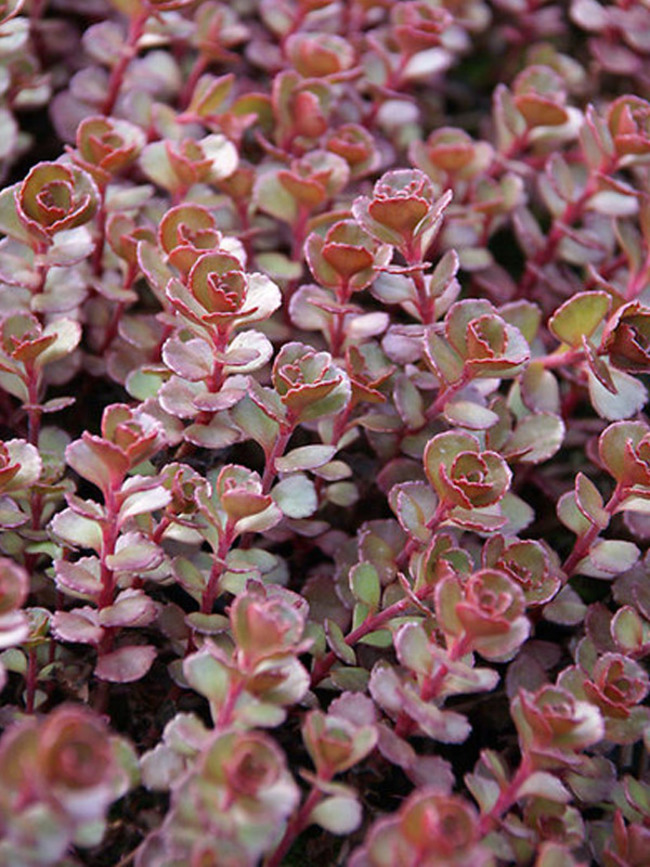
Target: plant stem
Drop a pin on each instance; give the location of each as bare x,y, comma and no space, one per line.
136,29
583,543
322,667
297,824
507,798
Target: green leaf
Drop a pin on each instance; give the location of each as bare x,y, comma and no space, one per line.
77,531
338,814
542,784
589,502
572,516
447,363
305,458
336,641
536,438
566,609
273,198
296,496
414,503
364,584
143,502
579,317
207,675
629,630
609,558
630,398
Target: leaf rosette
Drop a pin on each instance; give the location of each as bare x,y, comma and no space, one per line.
219,296
346,257
188,231
106,146
53,198
463,475
403,211
485,612
475,342
553,724
309,384
431,827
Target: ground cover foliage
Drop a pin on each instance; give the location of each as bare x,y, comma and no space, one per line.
325,467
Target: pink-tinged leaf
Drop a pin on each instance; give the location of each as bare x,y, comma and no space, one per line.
485,520
224,399
468,414
134,553
80,626
70,247
579,317
337,814
541,784
296,496
413,648
609,558
126,664
81,578
77,531
414,503
246,352
29,465
630,398
218,433
68,335
590,502
142,502
191,359
445,726
98,461
305,458
131,608
14,629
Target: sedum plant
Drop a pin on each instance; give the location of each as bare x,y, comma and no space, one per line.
325,459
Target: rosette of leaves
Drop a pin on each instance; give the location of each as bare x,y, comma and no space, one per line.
403,212
106,146
470,483
54,198
617,686
251,680
214,301
60,775
554,726
294,194
581,324
230,807
429,825
178,166
485,613
475,342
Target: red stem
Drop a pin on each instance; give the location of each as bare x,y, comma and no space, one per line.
507,798
583,543
136,29
297,824
322,667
